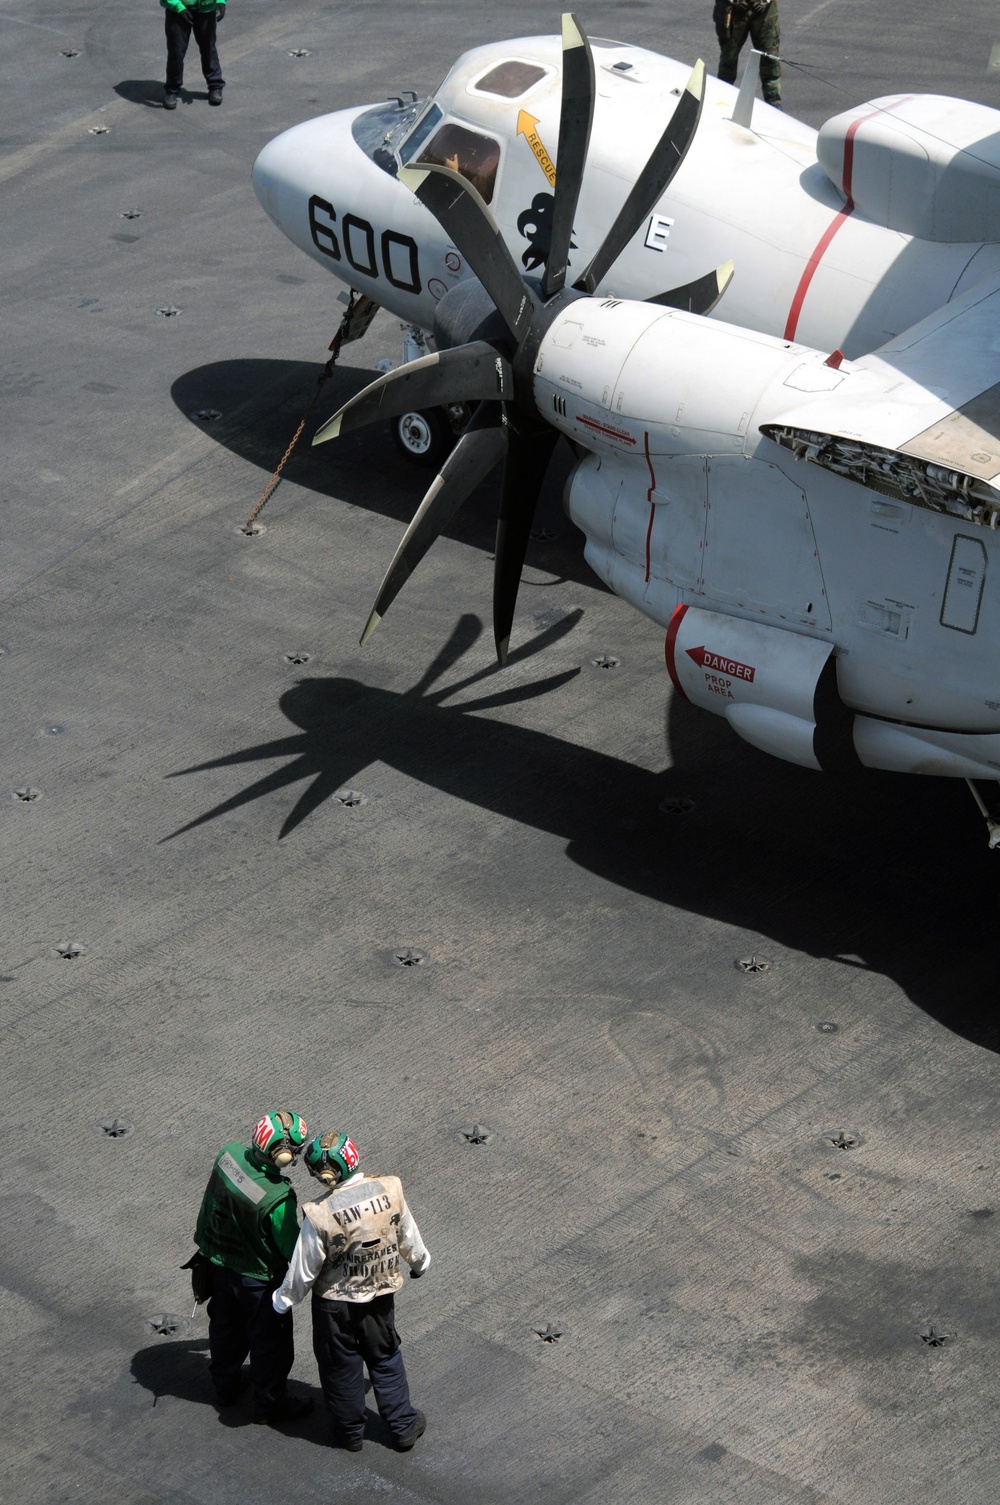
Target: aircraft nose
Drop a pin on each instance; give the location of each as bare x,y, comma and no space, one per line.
326,186
288,168
266,177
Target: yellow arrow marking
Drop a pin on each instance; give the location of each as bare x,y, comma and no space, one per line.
526,127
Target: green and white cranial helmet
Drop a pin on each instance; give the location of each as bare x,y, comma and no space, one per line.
331,1153
279,1136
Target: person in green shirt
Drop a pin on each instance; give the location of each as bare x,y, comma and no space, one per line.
181,17
246,1231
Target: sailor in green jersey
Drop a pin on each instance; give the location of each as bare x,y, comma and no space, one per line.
180,19
246,1231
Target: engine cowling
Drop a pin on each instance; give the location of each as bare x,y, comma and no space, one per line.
777,689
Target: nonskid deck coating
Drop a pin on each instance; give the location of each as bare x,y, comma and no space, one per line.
746,1310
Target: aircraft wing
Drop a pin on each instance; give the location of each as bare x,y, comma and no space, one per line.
930,396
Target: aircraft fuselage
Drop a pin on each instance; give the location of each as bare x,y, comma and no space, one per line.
828,250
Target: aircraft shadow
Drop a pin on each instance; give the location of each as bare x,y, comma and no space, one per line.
881,872
262,402
878,872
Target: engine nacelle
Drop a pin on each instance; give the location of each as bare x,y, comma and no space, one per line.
777,689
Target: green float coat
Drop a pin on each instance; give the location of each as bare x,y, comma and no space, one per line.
247,1220
180,5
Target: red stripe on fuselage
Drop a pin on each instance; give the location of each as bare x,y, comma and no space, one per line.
591,423
649,499
812,265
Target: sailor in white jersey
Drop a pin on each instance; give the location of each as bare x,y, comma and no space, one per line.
348,1255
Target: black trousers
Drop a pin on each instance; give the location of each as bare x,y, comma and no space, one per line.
347,1335
179,35
241,1320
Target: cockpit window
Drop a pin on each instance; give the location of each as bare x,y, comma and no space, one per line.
415,140
475,156
509,80
379,131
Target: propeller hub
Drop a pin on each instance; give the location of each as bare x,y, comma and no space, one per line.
523,362
488,331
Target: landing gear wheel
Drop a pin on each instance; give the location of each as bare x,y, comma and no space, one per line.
425,436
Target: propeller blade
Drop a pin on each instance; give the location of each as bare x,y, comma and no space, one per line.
666,157
462,214
528,453
701,295
575,120
464,374
474,456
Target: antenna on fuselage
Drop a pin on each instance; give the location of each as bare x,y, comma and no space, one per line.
743,111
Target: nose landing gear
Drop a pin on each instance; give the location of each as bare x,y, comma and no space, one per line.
428,435
425,436
992,824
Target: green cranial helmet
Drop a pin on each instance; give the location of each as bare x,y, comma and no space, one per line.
332,1156
279,1136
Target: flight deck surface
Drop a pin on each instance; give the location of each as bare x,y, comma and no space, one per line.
687,1057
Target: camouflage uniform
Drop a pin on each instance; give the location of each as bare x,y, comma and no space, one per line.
735,20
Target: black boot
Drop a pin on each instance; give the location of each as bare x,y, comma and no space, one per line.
419,1427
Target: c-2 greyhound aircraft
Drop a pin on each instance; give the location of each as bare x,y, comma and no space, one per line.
805,496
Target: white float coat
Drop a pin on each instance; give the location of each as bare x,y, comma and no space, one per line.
309,1256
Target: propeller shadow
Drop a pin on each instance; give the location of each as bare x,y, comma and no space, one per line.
347,725
876,872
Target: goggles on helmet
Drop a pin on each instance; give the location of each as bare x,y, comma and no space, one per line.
332,1152
279,1131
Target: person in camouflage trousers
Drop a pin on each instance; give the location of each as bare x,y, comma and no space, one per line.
735,20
